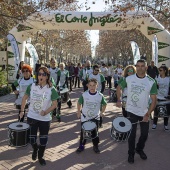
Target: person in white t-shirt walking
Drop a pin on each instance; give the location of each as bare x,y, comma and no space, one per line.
90,102
119,70
163,82
140,88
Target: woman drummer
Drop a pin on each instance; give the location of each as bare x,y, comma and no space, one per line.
163,83
43,100
23,83
129,70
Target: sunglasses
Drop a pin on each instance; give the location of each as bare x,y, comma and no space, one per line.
25,71
130,71
96,70
42,74
160,70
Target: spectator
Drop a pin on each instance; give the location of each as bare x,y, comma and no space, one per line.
152,70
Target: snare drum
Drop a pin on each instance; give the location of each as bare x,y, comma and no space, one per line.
121,128
18,134
64,92
89,130
162,108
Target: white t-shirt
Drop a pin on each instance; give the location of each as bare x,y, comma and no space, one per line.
104,71
53,73
23,84
40,99
63,74
138,93
163,84
119,71
91,105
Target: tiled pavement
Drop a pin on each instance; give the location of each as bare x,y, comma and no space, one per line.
63,141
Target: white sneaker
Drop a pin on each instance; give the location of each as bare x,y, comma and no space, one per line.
154,127
166,128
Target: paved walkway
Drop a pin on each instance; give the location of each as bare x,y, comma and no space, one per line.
63,141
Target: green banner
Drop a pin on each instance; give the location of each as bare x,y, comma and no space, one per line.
162,58
162,45
9,44
10,67
10,54
152,30
21,27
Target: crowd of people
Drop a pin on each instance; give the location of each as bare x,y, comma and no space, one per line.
137,87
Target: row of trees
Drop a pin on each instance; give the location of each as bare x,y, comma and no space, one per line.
70,44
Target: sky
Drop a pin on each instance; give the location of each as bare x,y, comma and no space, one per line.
97,7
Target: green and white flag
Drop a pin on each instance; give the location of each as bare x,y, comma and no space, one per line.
155,50
135,51
33,53
15,50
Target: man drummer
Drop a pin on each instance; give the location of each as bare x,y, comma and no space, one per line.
22,83
53,77
84,74
90,102
139,88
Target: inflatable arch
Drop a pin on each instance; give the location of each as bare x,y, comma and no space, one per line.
140,20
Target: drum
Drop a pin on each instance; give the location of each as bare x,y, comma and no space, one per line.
89,130
121,129
18,103
162,109
64,92
113,96
18,134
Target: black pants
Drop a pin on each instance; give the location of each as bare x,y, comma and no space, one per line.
124,112
85,85
70,83
109,80
155,120
42,126
144,127
77,80
95,140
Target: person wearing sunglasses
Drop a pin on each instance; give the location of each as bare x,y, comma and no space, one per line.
129,70
140,89
163,83
22,84
43,100
87,70
101,84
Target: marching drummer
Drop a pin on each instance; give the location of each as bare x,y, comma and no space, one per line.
43,100
90,103
23,83
53,77
129,70
62,81
163,83
139,88
101,84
